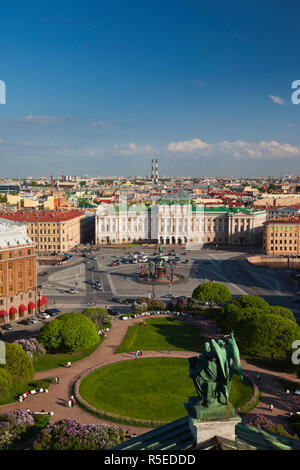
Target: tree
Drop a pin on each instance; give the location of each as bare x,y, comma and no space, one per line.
99,317
253,301
6,382
283,312
18,364
212,292
271,333
69,332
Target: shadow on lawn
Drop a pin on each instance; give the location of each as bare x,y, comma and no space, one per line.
180,336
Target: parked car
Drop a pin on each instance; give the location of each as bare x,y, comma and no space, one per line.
53,311
7,326
117,299
72,291
32,320
295,300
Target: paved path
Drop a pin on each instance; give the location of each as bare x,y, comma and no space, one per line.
55,400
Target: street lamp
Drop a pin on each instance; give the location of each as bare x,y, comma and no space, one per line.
76,283
39,291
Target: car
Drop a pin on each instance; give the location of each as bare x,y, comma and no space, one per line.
130,301
94,257
53,311
117,299
89,281
295,300
112,264
72,291
32,320
43,315
7,326
98,283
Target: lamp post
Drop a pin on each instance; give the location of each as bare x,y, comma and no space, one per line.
76,283
39,291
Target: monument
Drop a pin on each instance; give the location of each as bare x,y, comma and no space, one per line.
211,413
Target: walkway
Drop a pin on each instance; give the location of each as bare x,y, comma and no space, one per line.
55,400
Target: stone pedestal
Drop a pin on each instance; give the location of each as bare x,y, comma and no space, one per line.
208,422
203,431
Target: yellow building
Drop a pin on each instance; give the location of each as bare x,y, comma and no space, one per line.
52,231
281,237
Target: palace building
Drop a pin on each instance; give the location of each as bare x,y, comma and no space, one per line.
178,221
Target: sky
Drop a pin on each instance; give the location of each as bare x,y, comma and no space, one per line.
101,88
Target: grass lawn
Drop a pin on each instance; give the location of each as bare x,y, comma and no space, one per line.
152,389
52,361
161,334
32,384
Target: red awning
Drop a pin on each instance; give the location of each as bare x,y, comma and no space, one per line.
31,305
13,311
2,313
44,300
22,308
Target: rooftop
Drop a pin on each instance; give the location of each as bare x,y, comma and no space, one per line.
13,234
47,216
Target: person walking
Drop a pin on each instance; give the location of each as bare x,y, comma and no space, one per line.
271,408
69,404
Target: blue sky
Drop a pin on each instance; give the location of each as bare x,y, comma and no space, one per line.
101,88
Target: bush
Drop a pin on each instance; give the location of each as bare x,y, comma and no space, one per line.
261,422
31,347
18,364
68,434
13,425
69,332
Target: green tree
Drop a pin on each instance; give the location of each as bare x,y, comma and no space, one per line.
253,301
99,317
70,332
271,333
212,292
6,382
18,364
283,312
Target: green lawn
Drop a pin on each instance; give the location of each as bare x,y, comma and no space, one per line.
161,334
32,384
52,361
151,389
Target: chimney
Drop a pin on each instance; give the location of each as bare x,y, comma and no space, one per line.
152,172
156,171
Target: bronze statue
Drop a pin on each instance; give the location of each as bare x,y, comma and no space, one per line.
212,372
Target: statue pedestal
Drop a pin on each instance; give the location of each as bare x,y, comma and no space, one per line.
208,422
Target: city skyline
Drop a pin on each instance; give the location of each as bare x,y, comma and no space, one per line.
103,89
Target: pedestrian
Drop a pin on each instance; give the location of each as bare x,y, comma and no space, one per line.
258,377
141,352
136,354
69,404
271,408
169,350
68,364
56,380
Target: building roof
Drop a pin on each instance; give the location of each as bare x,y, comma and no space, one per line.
177,436
47,216
13,234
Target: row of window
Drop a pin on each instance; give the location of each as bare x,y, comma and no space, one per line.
13,254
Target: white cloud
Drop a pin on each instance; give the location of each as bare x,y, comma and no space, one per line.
187,146
277,99
239,149
132,149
